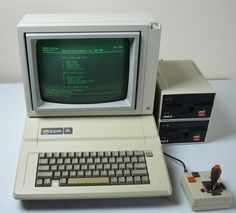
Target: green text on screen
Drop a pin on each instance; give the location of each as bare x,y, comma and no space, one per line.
83,71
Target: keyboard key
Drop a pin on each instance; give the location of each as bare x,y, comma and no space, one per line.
93,154
119,173
107,166
88,174
78,154
88,181
84,167
59,161
114,181
137,180
56,155
44,175
103,173
62,182
49,155
43,168
82,160
112,160
80,174
140,172
126,173
64,154
85,154
115,154
111,173
42,155
121,180
97,160
129,166
47,182
107,154
141,159
99,167
96,173
54,168
67,161
134,160
127,160
139,166
149,154
129,180
122,166
76,167
145,180
57,175
100,154
55,183
104,160
43,161
114,166
52,161
73,174
122,154
119,160
69,167
91,167
65,174
129,153
138,153
75,161
89,160
39,182
71,154
61,167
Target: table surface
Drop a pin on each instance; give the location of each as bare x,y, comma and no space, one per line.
220,148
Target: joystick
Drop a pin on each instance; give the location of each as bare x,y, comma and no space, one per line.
206,190
212,186
215,174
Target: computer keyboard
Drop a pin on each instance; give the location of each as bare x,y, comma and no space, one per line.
65,169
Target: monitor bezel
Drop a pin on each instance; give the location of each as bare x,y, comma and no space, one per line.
39,105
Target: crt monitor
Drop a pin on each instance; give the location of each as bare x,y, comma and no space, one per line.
87,65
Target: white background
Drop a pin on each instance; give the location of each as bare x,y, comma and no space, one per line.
202,30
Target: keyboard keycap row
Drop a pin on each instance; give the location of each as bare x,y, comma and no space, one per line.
91,154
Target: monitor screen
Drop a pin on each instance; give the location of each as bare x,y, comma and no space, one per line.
83,71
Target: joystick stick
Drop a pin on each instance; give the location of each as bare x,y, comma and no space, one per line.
206,190
215,174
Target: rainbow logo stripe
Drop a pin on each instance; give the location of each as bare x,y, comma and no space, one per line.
201,113
196,138
44,132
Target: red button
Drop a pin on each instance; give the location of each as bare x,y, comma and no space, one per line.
191,179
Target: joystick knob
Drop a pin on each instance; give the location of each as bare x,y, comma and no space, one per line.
215,174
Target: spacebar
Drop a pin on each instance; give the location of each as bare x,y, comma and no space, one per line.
88,181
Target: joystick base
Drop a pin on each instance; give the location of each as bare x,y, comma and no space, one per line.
198,191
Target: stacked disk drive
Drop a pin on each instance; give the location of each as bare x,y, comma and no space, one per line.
184,101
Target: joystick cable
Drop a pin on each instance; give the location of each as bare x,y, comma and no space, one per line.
170,156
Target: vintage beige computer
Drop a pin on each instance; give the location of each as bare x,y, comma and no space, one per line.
89,84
